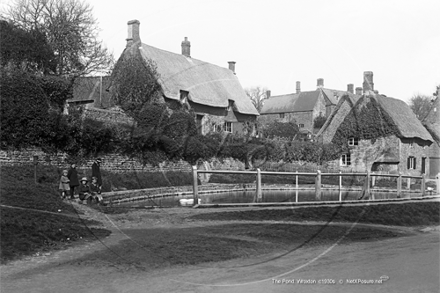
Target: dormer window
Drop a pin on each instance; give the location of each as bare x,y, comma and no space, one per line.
352,141
230,105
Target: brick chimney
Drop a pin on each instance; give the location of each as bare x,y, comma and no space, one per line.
268,94
186,48
359,91
368,84
350,88
232,66
298,87
133,32
320,83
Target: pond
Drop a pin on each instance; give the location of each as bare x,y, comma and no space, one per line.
268,196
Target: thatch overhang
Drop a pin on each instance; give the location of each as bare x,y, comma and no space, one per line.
403,117
206,83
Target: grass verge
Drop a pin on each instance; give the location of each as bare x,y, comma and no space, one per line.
150,249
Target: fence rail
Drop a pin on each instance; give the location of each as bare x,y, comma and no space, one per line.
370,179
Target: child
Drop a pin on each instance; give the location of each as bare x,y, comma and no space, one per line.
83,190
64,184
95,190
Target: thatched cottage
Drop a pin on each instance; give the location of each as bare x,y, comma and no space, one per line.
214,93
302,107
432,124
379,134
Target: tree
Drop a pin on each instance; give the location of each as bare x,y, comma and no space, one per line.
71,31
319,121
420,105
275,129
257,96
135,82
24,50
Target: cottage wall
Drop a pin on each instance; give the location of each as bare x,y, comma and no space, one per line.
369,152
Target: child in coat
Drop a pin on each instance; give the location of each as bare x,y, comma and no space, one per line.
95,190
83,190
64,184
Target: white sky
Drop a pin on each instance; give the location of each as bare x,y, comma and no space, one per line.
276,43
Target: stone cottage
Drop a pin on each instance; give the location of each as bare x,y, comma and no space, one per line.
302,107
214,93
432,124
377,133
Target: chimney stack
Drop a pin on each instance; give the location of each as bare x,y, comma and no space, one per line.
359,91
133,32
320,82
298,87
368,84
350,87
186,48
232,66
268,94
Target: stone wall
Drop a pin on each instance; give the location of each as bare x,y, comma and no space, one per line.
111,162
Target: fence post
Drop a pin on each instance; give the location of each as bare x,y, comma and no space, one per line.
35,168
408,183
399,185
367,189
340,186
195,187
296,186
438,183
318,186
423,185
258,186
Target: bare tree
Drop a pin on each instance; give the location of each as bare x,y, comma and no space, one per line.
71,31
257,95
420,105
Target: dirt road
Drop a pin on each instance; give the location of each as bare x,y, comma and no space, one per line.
403,264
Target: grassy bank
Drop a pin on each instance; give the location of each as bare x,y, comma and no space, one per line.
149,249
44,221
407,214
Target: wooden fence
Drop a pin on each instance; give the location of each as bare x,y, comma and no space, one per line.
370,179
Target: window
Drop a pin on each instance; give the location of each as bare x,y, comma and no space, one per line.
282,115
345,160
353,141
411,144
411,162
227,127
301,125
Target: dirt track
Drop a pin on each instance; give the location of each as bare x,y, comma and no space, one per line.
411,264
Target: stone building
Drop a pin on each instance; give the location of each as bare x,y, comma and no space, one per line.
214,93
379,134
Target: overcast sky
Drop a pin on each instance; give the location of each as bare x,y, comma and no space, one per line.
276,43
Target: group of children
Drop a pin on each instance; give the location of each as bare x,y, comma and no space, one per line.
90,193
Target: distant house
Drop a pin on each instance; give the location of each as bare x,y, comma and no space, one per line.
302,107
379,134
92,90
432,124
214,93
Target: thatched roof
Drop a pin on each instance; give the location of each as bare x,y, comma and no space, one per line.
207,84
400,113
432,120
403,117
300,102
